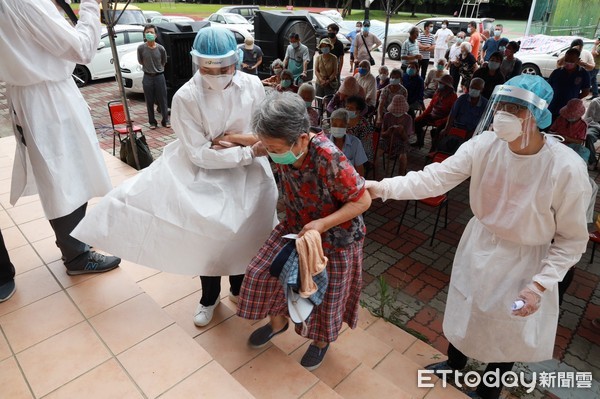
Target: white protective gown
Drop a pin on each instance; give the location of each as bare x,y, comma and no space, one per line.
521,203
195,210
62,161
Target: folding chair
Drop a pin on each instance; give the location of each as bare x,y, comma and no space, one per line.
441,201
119,122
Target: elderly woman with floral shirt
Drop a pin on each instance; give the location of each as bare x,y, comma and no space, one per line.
322,192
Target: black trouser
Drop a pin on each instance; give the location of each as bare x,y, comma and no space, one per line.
211,287
73,250
420,130
155,91
593,135
564,284
455,73
458,361
423,65
7,269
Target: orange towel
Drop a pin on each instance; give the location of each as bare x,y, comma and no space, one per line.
311,261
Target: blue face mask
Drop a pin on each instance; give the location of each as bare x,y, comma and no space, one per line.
308,104
493,65
497,33
362,71
365,29
474,93
439,67
351,114
150,37
286,83
394,81
287,158
296,45
411,72
325,50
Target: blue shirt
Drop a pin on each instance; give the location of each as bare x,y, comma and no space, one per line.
490,46
567,86
415,86
465,115
350,36
353,149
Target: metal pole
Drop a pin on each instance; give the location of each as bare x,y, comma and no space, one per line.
367,5
388,12
110,27
531,10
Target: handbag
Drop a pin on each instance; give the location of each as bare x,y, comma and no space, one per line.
371,60
144,153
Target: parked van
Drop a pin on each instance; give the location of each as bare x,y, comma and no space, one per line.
131,15
458,24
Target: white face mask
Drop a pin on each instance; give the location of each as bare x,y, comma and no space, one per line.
508,127
338,132
217,82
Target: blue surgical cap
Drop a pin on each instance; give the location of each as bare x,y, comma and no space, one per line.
215,44
536,103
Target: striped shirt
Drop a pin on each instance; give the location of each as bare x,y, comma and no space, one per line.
409,48
425,40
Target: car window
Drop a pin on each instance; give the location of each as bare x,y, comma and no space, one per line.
246,12
135,36
119,39
488,24
236,19
239,38
212,18
454,27
220,19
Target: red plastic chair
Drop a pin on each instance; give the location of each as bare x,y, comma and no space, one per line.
594,238
441,201
119,122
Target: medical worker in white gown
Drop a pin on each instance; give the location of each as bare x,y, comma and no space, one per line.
529,194
203,207
57,154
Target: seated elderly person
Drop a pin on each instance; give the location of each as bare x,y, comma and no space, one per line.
433,77
436,113
490,73
367,81
359,125
389,92
467,110
275,79
396,129
383,79
572,128
350,145
287,82
413,82
349,87
307,92
592,118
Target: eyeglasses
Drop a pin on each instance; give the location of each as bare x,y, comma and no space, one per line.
511,108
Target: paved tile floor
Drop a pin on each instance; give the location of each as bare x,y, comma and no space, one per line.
417,272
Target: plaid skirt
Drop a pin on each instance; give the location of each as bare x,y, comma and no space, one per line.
262,294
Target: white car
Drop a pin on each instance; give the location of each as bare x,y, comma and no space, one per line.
230,19
170,18
128,38
542,63
133,74
151,14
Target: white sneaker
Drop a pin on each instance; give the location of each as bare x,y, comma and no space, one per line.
204,314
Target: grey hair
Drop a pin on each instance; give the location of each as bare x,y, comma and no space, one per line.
307,87
277,62
442,59
340,114
281,116
478,81
467,46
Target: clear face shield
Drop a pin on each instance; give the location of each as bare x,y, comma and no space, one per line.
217,80
513,114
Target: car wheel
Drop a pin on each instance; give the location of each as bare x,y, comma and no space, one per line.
394,51
530,69
81,75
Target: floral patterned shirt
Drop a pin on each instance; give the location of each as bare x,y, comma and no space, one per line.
322,185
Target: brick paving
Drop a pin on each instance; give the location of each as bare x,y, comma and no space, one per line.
417,272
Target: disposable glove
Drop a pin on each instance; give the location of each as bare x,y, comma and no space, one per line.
532,296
